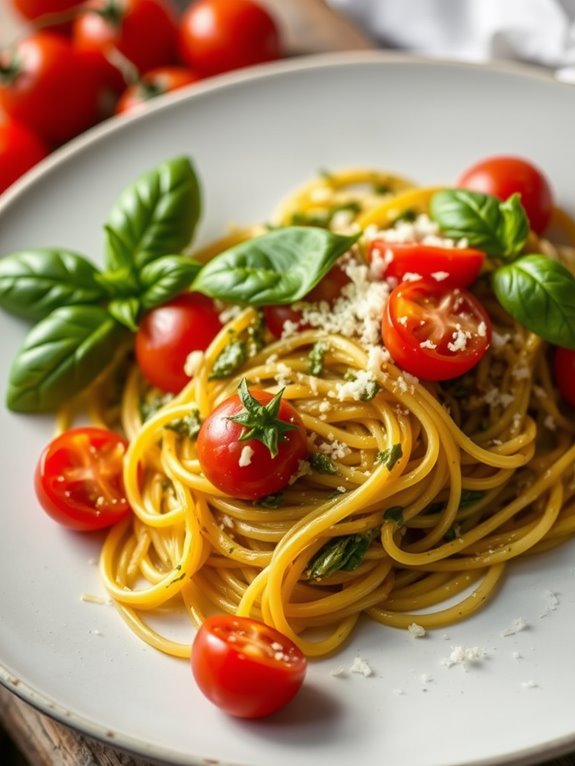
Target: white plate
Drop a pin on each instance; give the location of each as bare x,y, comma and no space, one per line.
254,137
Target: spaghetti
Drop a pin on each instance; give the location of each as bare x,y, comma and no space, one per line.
429,489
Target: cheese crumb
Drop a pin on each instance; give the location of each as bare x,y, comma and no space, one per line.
516,626
360,666
464,656
245,456
192,363
415,630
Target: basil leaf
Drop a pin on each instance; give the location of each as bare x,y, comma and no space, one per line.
278,267
61,355
154,216
164,278
34,282
389,457
341,553
126,311
498,228
322,463
229,360
540,294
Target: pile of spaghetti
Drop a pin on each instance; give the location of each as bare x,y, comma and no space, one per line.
414,492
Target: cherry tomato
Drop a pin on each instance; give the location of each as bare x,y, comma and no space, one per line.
45,84
253,475
327,289
144,31
79,480
20,149
452,266
154,83
435,332
564,369
169,333
244,667
220,35
503,176
37,9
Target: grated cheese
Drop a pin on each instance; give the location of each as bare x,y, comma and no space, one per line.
245,456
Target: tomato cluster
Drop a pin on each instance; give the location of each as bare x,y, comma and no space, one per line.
83,62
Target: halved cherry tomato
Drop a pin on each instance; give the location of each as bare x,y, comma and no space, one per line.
564,369
48,86
246,468
220,35
152,84
168,334
33,10
435,332
246,668
452,266
20,149
78,479
327,289
144,31
503,176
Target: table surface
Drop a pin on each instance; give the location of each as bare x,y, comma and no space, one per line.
308,26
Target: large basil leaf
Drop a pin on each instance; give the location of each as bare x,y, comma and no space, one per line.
165,278
498,228
61,355
340,553
279,267
540,293
35,282
154,216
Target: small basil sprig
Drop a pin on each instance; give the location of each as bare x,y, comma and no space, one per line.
498,228
278,267
534,289
82,312
540,293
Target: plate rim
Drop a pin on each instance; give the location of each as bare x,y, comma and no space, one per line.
10,679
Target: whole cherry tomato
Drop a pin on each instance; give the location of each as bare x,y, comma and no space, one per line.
47,85
503,176
245,667
20,149
154,83
169,333
143,31
453,266
251,444
435,332
78,479
564,369
220,35
34,10
327,289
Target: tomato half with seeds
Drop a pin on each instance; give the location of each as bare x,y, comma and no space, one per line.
251,444
245,667
452,266
79,479
435,332
564,371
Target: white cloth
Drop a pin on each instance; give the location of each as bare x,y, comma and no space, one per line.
535,31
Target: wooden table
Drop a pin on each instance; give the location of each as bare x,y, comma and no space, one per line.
309,27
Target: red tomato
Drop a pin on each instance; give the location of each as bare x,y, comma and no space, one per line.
169,333
45,84
221,451
220,35
327,289
244,667
461,265
435,332
564,369
20,149
154,83
79,480
504,176
36,9
144,31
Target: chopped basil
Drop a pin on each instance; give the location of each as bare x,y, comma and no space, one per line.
229,360
339,554
322,463
389,457
188,426
316,357
271,501
395,513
